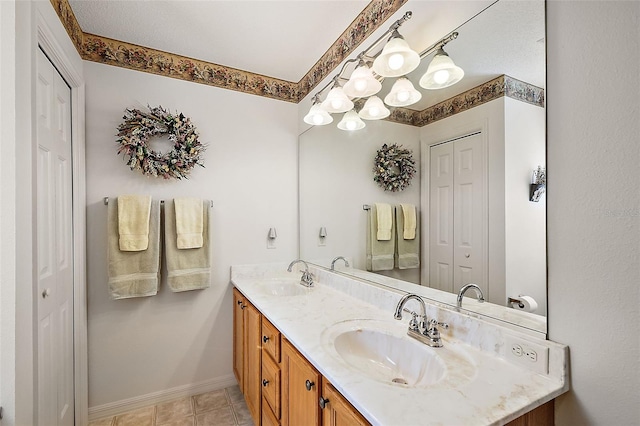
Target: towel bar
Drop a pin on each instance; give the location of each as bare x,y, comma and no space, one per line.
106,201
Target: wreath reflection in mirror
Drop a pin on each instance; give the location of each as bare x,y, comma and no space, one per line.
140,127
394,167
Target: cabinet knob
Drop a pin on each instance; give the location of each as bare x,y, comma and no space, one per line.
323,402
467,255
239,302
309,384
45,293
243,306
265,383
265,339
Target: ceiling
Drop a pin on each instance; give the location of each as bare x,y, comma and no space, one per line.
281,39
284,39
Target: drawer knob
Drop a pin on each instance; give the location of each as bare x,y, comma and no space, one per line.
323,402
239,302
309,384
265,339
265,383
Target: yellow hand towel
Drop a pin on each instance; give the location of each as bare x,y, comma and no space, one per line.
189,222
409,216
186,269
385,221
380,254
133,273
133,222
407,255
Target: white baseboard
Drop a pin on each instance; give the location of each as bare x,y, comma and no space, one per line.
130,404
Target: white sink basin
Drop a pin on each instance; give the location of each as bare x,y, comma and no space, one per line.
383,352
285,287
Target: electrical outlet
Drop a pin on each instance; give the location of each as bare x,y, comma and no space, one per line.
516,350
527,354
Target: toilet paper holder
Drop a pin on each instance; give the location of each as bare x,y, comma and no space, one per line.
512,300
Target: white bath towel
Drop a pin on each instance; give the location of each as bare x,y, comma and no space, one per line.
409,216
188,222
407,255
133,222
384,217
380,254
133,273
188,269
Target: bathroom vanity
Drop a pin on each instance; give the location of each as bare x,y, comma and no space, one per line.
333,354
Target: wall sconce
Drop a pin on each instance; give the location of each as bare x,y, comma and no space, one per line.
271,238
538,184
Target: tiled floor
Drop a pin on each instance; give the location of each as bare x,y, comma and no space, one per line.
225,407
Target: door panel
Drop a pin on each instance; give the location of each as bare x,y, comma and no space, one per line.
456,214
55,250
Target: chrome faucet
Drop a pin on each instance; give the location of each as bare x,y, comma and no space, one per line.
333,262
475,287
307,277
419,328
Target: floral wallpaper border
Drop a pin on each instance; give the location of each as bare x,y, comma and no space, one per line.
493,89
126,55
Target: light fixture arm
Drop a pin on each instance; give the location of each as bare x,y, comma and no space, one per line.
438,45
363,56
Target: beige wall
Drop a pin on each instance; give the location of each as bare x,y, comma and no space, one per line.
179,341
593,200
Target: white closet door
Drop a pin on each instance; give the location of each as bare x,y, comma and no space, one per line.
456,214
441,217
468,218
55,250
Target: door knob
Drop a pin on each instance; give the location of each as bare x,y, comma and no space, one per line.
45,293
309,384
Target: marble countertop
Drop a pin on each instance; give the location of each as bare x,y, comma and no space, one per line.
480,388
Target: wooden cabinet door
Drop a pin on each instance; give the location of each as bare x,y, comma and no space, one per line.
300,389
238,337
337,410
252,360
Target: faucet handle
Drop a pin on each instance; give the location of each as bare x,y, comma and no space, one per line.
433,327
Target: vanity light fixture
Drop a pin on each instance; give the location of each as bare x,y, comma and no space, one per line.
337,101
374,109
402,94
351,121
362,83
441,73
317,116
396,58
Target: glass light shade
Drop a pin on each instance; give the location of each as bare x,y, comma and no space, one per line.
351,121
402,94
337,101
362,83
374,109
441,73
396,59
317,116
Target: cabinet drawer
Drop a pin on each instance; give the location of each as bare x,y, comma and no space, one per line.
270,340
271,385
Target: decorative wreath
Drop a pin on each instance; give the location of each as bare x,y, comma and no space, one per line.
139,127
394,167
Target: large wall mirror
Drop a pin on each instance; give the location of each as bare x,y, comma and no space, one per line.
480,227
